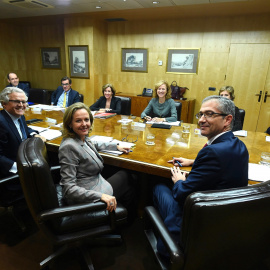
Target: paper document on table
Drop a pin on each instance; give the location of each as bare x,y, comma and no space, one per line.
115,153
47,133
258,172
242,133
177,123
267,138
124,144
96,138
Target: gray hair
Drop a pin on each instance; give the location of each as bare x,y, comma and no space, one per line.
4,95
224,105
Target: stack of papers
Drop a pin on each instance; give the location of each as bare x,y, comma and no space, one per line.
258,172
47,133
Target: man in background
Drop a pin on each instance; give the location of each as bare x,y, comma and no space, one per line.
15,82
13,128
64,96
221,164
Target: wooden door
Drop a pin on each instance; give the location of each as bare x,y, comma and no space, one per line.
247,72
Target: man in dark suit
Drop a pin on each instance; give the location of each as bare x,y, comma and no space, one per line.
221,164
64,96
13,128
15,82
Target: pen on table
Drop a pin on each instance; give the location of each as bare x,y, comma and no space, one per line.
178,163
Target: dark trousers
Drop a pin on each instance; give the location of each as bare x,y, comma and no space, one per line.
170,212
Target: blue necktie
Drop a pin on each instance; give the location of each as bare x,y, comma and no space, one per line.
24,136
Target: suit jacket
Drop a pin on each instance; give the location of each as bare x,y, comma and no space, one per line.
22,86
221,165
101,103
73,96
80,170
10,141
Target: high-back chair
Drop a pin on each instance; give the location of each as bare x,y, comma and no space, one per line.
125,105
38,95
223,230
64,225
178,106
242,113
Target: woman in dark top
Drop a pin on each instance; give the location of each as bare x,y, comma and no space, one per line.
108,102
228,92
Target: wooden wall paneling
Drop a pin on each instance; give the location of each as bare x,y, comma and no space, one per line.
247,72
11,53
79,31
35,37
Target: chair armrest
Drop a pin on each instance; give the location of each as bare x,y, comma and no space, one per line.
176,254
70,210
9,178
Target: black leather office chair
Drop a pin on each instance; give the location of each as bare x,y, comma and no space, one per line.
27,83
65,226
81,97
226,229
178,106
37,95
125,105
12,200
242,113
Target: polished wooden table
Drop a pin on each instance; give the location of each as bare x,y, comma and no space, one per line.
153,159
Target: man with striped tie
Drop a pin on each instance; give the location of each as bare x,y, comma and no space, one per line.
64,95
221,164
13,128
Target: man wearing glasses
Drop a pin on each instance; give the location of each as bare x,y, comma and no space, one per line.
222,163
64,96
15,82
13,128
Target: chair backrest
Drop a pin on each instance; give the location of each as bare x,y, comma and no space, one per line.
125,105
27,83
35,176
178,106
242,113
38,95
81,97
227,229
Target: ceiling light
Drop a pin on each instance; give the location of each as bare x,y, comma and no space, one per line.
98,7
155,2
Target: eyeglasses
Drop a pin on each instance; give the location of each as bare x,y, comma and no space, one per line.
19,101
65,84
126,139
208,114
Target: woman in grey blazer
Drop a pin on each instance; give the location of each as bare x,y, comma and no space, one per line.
81,164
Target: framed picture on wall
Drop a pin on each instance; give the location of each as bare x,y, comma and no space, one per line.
134,60
79,61
50,58
184,61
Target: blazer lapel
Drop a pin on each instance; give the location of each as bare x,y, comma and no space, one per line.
12,126
94,149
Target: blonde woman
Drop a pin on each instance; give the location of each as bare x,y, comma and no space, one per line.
161,108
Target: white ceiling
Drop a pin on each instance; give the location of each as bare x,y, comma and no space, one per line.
30,8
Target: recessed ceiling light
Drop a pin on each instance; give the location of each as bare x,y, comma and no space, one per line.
98,7
155,2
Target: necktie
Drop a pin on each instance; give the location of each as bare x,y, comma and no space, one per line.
24,136
65,99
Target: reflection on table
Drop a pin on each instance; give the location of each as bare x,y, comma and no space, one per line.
152,159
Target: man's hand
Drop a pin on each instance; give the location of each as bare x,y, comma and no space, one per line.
177,174
41,137
184,162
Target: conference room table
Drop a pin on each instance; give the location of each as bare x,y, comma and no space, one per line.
150,159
